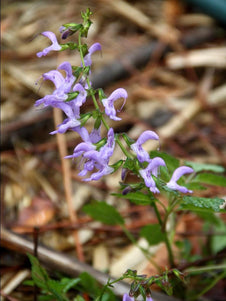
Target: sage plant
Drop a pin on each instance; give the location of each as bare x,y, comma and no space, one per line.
155,171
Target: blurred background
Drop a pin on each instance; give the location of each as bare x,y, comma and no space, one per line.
171,58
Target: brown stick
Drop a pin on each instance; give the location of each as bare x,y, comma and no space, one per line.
65,264
61,141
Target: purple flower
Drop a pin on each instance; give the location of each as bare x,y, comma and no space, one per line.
54,47
126,297
179,172
58,99
108,103
87,58
63,85
94,159
65,32
142,155
152,169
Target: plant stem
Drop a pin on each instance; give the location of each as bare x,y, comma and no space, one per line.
127,154
166,239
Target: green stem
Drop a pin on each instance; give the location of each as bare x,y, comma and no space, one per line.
166,239
157,213
124,150
96,103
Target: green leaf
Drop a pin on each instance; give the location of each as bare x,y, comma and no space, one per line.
68,283
104,213
209,217
211,179
137,197
89,284
203,166
117,165
78,298
127,139
38,273
195,186
153,234
218,242
129,164
197,203
42,280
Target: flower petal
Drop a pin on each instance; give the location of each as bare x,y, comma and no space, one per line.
126,297
179,172
54,47
146,135
142,155
55,76
92,49
108,103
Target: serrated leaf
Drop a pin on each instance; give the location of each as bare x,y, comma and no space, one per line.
39,274
139,198
203,166
153,234
211,179
197,203
129,164
42,280
68,283
104,213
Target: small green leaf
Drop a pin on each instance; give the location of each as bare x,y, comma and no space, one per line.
117,165
203,166
137,197
42,280
197,203
78,298
101,94
38,273
68,283
153,234
211,179
195,186
104,213
77,71
130,164
218,242
209,217
127,139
